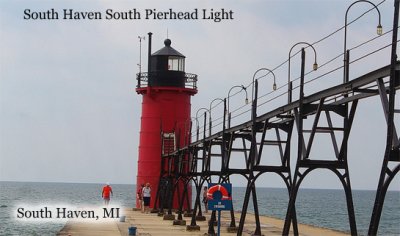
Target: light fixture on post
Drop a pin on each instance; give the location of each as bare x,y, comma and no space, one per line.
315,67
229,95
299,117
254,76
197,120
188,129
346,57
379,29
210,120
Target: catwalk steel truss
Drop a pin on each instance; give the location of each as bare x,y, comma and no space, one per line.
193,162
328,112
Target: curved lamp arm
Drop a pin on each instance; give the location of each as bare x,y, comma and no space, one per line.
315,65
242,88
197,113
254,76
379,31
216,99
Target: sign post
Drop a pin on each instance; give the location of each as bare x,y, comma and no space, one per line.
219,199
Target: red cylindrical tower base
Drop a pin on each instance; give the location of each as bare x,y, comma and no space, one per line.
164,110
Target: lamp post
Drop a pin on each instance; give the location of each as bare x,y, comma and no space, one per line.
188,129
300,139
254,76
197,120
315,67
229,94
140,53
346,55
210,120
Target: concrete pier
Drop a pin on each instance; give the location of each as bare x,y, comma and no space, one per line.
153,225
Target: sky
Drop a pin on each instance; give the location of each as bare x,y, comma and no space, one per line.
68,107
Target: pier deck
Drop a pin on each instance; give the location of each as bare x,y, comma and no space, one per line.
153,225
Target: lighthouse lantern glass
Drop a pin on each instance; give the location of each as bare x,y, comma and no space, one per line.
176,63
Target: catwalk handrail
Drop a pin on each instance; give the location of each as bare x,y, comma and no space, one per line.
350,86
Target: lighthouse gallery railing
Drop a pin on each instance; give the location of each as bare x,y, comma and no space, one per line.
143,79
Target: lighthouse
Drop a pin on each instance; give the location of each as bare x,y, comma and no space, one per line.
166,91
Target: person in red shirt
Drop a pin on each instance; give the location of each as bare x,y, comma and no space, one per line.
139,196
107,190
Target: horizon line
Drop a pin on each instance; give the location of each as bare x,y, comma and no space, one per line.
306,188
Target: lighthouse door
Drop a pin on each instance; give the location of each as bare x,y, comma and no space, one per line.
168,143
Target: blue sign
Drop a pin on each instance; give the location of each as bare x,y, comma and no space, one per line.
219,197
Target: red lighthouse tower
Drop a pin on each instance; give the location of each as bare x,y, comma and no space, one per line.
166,91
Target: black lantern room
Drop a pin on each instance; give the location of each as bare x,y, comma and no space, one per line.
167,67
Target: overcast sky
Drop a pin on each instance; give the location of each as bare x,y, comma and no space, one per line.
68,107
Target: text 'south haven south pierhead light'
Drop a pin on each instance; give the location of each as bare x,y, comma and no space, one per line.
165,121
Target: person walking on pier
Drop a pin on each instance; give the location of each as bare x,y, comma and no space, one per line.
205,199
146,191
107,190
139,196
